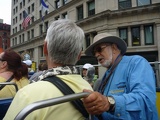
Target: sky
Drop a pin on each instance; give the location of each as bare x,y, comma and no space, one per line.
5,11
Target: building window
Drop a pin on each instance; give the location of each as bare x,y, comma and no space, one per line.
40,14
41,29
65,2
28,10
143,2
123,34
22,38
41,51
91,8
21,5
32,19
148,35
57,17
87,36
135,36
20,27
123,4
64,15
28,35
23,2
15,41
32,33
57,4
20,16
80,12
32,7
46,26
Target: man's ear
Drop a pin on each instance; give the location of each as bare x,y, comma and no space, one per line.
79,56
115,48
45,48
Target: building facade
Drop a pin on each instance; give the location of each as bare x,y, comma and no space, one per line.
4,36
137,22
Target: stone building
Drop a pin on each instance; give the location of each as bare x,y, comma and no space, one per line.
137,22
4,36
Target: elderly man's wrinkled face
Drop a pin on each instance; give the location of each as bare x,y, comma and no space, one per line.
103,53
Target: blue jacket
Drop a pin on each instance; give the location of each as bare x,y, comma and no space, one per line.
132,85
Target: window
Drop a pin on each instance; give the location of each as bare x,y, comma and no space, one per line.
28,35
41,51
41,29
123,4
80,12
87,36
57,3
15,41
64,15
32,19
20,16
65,2
135,36
28,10
143,2
32,7
22,38
20,26
32,33
123,34
148,35
46,26
16,9
40,14
57,17
21,5
91,8
23,2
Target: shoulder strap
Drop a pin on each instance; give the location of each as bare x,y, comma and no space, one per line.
2,86
65,89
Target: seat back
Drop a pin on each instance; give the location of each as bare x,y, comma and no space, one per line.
4,105
5,102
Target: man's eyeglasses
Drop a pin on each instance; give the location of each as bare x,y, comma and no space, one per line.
99,49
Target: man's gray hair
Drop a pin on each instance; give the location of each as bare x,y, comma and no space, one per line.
64,42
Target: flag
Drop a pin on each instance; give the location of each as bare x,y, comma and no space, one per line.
44,8
26,20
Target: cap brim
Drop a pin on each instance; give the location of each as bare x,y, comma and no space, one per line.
110,39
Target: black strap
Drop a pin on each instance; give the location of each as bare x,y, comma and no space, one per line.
2,86
65,89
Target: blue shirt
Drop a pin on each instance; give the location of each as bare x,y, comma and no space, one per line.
132,85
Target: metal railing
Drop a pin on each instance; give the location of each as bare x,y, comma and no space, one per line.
49,102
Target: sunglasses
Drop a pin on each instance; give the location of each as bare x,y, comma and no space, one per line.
99,49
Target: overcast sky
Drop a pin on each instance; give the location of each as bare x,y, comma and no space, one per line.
5,11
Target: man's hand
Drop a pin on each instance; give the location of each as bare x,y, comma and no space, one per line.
96,103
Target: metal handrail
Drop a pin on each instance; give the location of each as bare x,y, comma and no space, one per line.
10,83
49,102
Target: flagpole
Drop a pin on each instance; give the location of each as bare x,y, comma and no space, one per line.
54,8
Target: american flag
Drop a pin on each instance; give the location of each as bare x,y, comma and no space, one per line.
26,20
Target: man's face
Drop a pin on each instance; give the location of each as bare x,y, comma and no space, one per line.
103,53
84,72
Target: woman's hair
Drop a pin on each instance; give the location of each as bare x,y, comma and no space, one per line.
64,42
15,64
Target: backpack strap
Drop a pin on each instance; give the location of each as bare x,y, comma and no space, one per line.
9,80
65,89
